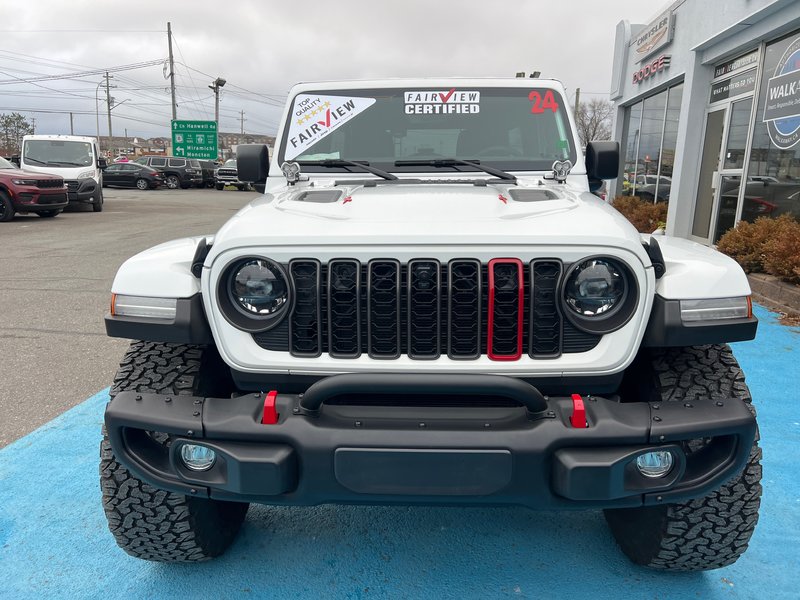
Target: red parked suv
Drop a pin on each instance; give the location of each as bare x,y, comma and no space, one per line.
24,192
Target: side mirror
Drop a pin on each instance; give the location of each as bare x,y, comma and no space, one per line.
252,163
602,160
102,163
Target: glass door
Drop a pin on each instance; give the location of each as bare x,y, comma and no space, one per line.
719,186
709,172
729,191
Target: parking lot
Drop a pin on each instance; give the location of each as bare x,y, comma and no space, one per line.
55,283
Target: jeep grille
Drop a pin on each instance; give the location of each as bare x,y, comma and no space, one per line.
426,309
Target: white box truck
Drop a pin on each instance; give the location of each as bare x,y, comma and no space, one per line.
75,158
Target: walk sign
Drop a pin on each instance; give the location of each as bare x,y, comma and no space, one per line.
195,139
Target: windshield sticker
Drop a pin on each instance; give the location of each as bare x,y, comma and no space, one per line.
540,105
317,116
445,102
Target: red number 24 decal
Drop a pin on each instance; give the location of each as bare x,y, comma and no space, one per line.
539,105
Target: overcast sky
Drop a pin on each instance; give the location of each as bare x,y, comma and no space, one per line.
263,47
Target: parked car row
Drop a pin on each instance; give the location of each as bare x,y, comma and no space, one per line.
58,170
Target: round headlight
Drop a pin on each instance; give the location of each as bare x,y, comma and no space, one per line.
599,294
255,294
595,287
259,288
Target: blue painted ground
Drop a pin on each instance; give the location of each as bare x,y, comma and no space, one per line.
54,542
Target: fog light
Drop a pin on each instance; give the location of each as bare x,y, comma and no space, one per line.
197,458
655,464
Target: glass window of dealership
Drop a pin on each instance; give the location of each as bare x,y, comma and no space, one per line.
740,149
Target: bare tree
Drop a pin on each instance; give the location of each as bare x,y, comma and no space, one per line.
593,119
12,128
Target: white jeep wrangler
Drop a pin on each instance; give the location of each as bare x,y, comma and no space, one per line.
429,306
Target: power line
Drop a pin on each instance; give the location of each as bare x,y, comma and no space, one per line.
23,31
57,76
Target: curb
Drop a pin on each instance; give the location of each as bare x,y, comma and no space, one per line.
774,293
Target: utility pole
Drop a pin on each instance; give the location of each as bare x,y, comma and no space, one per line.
577,100
33,124
215,85
171,72
109,100
242,120
71,127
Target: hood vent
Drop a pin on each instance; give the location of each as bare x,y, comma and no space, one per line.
319,196
532,195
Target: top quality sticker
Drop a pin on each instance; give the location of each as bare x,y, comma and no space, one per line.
445,102
316,117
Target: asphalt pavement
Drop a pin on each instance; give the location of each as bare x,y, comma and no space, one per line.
54,542
55,282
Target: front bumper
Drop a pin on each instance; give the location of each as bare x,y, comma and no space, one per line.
34,199
412,448
81,190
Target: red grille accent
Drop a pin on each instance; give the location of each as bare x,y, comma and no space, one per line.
505,317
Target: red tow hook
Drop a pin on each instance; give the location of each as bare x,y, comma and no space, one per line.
270,416
578,418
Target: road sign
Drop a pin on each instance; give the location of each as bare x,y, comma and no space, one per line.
194,139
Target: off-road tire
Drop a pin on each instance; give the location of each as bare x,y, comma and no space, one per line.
709,532
6,208
219,186
147,522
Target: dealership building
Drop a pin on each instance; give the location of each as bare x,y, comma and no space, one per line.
707,114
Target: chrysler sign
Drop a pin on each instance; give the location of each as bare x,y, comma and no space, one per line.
653,36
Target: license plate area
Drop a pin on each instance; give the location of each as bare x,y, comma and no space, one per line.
423,472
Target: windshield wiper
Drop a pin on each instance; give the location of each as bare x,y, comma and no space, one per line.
453,162
340,162
36,160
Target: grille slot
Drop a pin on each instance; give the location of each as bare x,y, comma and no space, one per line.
344,308
305,332
425,309
383,309
464,291
505,309
545,317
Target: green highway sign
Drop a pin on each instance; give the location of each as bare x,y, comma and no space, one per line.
194,139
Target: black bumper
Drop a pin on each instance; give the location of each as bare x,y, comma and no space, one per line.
81,190
323,451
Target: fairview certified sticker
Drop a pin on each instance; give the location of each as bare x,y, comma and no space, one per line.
444,102
315,116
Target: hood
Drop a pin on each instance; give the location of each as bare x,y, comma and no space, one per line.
65,172
427,214
27,173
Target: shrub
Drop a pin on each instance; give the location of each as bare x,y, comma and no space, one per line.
767,245
782,252
645,216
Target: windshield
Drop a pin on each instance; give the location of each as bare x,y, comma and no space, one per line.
509,128
58,153
231,162
4,164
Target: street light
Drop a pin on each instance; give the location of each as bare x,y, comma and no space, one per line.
97,111
215,85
